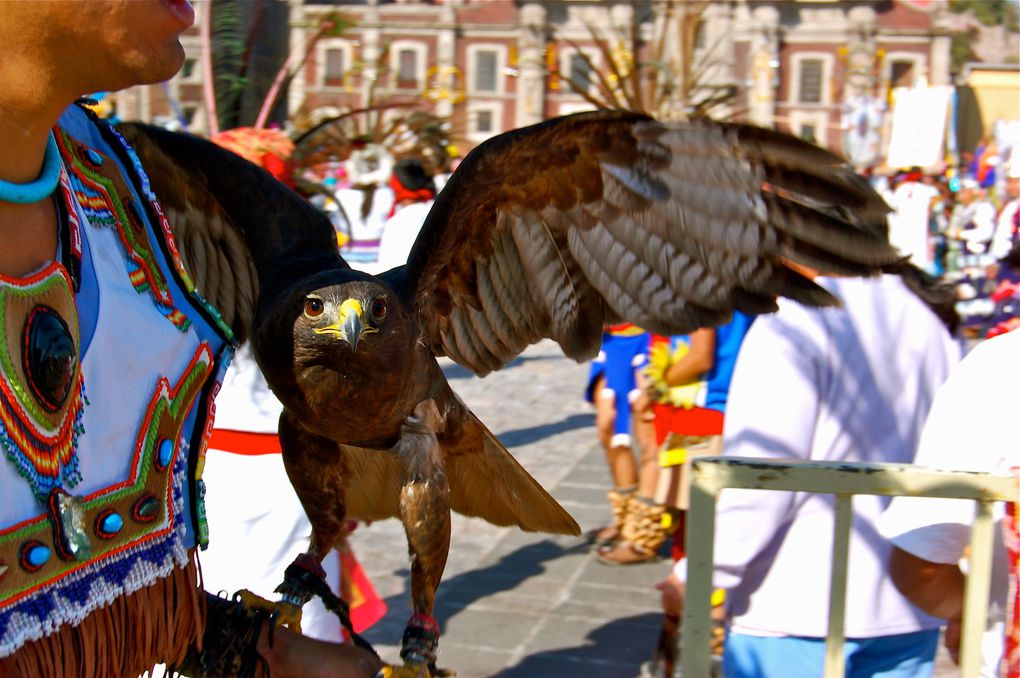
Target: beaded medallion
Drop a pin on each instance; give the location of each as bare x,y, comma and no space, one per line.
41,387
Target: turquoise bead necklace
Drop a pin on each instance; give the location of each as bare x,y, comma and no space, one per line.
42,187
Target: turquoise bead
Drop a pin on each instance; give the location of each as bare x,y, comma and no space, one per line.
146,509
110,525
164,453
94,157
38,555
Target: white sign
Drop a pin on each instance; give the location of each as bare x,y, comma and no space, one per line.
918,126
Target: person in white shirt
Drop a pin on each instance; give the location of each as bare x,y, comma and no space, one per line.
970,428
413,195
973,219
908,222
834,384
367,202
1007,229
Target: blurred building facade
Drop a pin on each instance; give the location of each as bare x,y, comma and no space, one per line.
822,69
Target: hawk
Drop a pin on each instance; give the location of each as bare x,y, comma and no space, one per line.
550,231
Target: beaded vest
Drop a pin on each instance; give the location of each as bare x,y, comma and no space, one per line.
109,361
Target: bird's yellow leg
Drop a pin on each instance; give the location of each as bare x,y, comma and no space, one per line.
282,613
425,513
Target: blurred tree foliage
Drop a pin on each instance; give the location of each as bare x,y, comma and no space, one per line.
252,61
664,76
990,12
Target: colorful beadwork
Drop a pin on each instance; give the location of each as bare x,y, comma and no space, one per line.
38,438
104,204
154,500
168,236
73,264
127,555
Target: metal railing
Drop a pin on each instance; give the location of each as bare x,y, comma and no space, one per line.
712,474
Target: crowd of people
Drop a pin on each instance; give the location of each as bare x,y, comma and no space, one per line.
377,204
862,383
963,229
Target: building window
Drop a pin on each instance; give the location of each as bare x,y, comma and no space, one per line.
901,74
483,122
333,75
807,133
407,60
579,67
486,62
580,72
334,60
407,69
811,71
191,69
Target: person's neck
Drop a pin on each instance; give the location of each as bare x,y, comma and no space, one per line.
30,105
31,101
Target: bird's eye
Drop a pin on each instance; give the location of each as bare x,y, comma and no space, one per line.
379,309
313,307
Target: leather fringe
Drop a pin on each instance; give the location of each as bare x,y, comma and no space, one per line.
153,625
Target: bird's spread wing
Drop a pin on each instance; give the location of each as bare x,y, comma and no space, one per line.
234,224
557,229
485,482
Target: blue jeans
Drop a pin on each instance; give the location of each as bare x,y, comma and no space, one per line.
905,655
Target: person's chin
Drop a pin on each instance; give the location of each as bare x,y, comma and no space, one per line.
166,68
147,68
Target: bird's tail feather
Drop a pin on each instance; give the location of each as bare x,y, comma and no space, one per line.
490,484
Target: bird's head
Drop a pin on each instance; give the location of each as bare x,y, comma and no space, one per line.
362,319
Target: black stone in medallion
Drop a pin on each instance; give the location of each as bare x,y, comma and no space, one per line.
48,357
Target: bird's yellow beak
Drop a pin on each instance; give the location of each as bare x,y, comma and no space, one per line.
350,324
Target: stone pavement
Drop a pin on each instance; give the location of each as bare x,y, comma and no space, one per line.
523,604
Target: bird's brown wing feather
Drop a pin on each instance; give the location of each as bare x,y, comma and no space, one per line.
485,482
557,229
490,484
232,221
